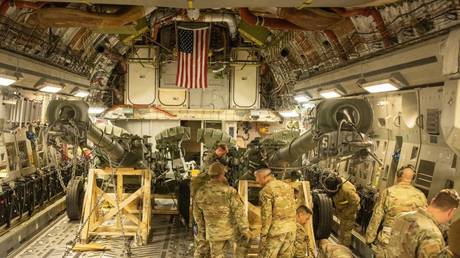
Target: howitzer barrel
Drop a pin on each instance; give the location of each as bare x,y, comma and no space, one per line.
331,115
294,150
104,141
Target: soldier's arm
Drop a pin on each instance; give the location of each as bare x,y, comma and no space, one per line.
376,219
300,244
198,216
429,247
265,213
237,208
353,198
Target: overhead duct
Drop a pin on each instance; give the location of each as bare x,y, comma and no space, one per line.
229,19
66,17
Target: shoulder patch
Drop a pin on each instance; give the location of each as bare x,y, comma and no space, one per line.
430,249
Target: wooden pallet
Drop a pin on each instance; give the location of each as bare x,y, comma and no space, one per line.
135,222
253,212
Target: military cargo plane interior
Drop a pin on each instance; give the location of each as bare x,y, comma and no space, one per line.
212,129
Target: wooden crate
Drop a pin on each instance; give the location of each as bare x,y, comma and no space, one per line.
135,222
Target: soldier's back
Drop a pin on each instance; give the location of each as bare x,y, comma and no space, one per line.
402,198
214,201
284,207
415,234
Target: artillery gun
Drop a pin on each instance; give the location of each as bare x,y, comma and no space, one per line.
338,131
114,147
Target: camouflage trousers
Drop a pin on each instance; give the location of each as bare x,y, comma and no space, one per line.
381,243
219,248
347,221
202,249
280,246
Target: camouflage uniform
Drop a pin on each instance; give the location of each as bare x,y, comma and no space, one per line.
393,201
278,215
415,234
346,202
202,249
331,250
302,247
220,211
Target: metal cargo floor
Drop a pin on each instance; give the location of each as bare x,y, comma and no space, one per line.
168,241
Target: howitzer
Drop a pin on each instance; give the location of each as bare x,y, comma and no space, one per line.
71,120
338,131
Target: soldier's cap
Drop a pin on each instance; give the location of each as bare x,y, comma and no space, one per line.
261,169
216,169
454,237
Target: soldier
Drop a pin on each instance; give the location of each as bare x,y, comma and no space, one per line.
417,234
278,215
302,247
346,202
399,198
201,246
219,212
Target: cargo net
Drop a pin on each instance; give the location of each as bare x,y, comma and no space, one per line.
36,43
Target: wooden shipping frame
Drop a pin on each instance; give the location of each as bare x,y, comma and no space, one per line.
136,222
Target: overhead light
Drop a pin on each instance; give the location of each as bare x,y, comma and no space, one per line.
329,94
382,86
288,113
302,98
51,88
80,93
7,80
96,110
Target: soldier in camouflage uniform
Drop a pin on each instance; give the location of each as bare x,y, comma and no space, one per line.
417,234
302,248
202,249
278,215
219,212
399,198
331,250
346,202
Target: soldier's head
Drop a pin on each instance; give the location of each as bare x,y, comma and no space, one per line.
221,150
217,171
263,175
303,214
405,174
444,205
332,183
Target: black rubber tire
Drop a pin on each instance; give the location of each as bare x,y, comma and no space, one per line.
322,215
74,198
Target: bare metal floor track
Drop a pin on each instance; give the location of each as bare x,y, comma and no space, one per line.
168,241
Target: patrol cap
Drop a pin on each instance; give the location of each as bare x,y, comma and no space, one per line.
262,168
454,237
216,169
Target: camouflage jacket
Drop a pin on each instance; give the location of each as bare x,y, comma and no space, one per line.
302,243
346,200
220,211
278,209
415,234
392,202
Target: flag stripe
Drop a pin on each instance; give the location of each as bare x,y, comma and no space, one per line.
192,61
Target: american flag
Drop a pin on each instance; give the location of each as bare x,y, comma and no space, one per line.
192,66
